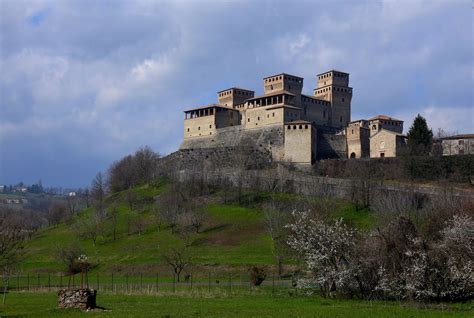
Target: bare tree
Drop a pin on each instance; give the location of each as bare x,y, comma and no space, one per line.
275,221
98,191
131,198
92,227
11,246
72,204
113,219
57,212
179,259
68,255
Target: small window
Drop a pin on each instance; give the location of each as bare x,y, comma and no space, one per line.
273,114
343,100
340,119
210,126
188,129
289,127
305,126
248,120
461,142
199,128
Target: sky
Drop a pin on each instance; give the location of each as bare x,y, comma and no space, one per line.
84,83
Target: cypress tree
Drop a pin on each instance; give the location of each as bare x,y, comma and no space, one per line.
420,137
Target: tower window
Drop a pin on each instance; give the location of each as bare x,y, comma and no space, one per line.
343,100
340,119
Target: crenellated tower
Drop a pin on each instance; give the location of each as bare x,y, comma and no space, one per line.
333,86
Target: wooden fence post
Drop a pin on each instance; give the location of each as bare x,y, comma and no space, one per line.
273,283
209,282
174,283
126,282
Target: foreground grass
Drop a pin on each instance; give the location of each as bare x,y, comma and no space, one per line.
44,305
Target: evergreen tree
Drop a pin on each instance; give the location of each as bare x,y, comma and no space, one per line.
420,137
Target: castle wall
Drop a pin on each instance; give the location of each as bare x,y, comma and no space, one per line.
266,139
331,146
200,126
227,118
268,115
299,143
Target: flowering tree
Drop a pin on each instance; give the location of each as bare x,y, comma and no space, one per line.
441,270
326,249
457,248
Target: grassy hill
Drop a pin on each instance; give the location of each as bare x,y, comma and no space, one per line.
233,235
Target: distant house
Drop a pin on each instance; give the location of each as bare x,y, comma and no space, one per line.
71,194
457,145
2,188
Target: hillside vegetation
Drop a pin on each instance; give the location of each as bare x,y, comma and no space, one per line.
232,236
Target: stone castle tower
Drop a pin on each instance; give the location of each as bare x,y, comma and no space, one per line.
333,86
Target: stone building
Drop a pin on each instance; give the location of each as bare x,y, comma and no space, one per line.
457,145
287,124
358,139
387,143
375,137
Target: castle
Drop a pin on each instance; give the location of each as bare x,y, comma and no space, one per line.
292,126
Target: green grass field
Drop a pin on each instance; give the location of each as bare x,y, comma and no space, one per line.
45,305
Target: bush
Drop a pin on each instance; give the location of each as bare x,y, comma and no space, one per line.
69,255
257,275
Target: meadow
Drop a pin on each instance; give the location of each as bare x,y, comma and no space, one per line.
45,305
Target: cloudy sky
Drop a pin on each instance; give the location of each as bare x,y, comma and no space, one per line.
84,83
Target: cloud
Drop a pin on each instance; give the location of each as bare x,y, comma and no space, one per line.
85,82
